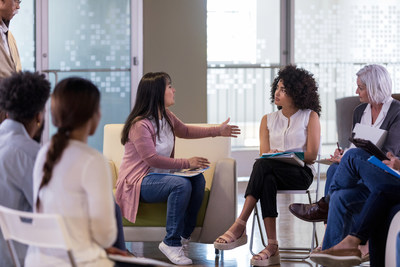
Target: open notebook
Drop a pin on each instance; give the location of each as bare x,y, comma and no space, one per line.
136,261
182,172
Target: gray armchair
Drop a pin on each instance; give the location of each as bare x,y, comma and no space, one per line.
344,117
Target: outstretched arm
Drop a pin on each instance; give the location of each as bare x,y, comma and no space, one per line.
183,130
229,130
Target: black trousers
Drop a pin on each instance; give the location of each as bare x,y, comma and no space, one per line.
269,175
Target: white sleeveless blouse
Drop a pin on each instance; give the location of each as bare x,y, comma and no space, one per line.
285,134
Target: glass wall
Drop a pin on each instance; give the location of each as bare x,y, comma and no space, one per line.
332,38
22,27
91,39
242,45
335,38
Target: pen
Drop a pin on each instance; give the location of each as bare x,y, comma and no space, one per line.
338,147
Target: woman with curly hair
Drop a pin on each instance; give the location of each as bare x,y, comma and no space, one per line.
294,127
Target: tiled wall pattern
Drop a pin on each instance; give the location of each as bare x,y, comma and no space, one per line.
88,34
23,28
333,40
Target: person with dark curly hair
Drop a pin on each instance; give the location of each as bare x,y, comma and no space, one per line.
294,127
23,96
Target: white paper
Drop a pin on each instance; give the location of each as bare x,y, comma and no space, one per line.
375,135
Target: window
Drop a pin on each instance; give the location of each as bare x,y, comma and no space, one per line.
336,38
23,28
333,39
242,48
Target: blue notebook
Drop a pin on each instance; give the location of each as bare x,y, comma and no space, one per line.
300,155
183,172
374,160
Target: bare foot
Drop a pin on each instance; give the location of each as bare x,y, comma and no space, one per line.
272,248
236,229
364,249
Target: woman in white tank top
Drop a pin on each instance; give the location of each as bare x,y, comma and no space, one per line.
294,127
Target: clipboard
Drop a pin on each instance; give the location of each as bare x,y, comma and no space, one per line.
369,147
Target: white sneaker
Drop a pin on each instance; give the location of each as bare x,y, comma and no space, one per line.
175,254
185,245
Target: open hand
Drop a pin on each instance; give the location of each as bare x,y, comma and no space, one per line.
393,161
198,162
337,156
229,130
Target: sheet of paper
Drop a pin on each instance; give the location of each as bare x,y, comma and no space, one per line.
324,161
137,260
375,135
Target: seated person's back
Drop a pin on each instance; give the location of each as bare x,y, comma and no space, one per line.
23,97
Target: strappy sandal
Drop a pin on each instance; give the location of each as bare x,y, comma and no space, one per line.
266,259
365,257
317,249
231,241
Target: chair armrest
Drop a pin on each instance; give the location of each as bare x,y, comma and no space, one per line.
390,257
114,173
222,204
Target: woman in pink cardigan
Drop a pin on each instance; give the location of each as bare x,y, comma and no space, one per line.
149,140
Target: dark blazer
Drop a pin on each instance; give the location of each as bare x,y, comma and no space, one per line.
391,124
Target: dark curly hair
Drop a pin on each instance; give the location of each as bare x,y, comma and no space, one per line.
23,95
300,85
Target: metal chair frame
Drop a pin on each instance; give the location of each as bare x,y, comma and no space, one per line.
294,253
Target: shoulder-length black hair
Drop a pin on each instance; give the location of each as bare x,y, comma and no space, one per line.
149,102
300,85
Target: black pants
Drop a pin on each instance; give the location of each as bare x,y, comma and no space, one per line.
269,175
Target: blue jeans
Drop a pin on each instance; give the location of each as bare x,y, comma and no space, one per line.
344,205
329,177
354,178
120,242
374,220
398,250
354,169
183,196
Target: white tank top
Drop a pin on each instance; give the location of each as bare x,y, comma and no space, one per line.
285,134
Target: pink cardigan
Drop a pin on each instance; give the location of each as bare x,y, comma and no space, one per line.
140,154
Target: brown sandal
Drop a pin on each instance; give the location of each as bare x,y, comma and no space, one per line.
231,241
265,256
